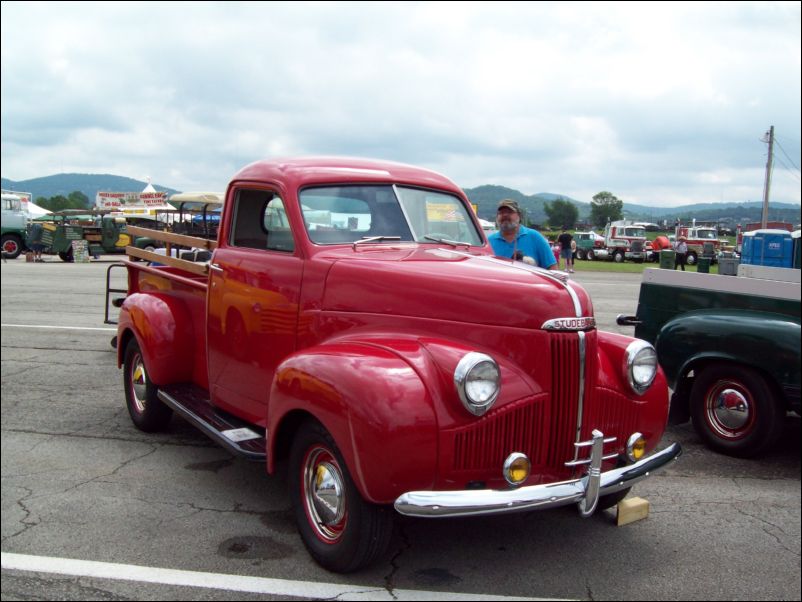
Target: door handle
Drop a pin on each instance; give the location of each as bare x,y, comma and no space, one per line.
215,268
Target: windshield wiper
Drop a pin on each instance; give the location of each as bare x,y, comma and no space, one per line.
453,243
365,239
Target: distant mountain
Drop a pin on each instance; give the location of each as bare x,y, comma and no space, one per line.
89,184
486,198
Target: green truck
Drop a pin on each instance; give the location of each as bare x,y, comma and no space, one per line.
730,348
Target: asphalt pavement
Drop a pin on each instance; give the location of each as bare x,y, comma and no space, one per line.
122,514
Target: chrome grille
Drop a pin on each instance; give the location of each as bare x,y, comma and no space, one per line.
565,396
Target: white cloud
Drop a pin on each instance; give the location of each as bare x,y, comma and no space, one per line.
653,101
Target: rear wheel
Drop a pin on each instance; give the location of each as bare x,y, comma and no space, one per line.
734,410
591,255
342,531
147,411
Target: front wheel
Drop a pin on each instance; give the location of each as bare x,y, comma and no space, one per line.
618,256
734,410
611,499
147,411
691,259
12,246
342,531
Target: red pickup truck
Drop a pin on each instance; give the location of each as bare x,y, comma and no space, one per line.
353,320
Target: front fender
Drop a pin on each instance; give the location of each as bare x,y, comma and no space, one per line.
648,412
376,407
766,341
165,333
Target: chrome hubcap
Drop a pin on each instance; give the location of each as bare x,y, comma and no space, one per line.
139,383
729,410
324,494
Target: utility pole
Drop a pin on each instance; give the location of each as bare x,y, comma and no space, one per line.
765,216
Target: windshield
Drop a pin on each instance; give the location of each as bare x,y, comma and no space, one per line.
639,232
706,234
344,214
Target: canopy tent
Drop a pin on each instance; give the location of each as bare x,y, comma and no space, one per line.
35,210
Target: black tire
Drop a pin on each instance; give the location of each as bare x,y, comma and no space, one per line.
591,255
346,533
618,257
690,259
580,254
610,500
66,255
11,245
147,411
734,410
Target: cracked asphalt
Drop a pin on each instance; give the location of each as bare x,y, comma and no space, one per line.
80,482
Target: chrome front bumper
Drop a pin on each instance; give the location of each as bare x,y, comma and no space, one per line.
585,492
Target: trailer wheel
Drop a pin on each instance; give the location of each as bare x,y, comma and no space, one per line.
11,245
342,531
147,411
734,410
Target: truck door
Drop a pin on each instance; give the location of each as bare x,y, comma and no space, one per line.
254,290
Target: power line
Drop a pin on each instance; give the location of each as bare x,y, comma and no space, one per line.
786,154
781,162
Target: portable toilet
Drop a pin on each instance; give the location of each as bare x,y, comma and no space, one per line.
773,248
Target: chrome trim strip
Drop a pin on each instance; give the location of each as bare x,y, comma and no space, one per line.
535,497
581,396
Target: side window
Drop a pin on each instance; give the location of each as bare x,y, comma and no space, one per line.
260,222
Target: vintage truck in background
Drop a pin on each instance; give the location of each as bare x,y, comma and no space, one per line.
353,320
730,347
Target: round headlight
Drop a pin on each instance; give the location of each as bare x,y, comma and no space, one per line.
478,381
641,365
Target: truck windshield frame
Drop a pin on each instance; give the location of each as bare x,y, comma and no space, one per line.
385,213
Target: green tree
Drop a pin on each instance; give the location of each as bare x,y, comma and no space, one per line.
78,200
562,213
605,207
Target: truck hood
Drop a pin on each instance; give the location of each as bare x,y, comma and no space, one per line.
450,285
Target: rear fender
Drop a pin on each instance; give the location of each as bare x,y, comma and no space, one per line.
376,407
165,333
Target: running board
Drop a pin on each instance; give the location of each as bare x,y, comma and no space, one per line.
193,404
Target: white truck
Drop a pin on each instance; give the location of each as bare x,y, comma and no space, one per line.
14,225
624,239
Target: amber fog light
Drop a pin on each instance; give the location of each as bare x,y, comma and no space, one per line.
516,468
636,447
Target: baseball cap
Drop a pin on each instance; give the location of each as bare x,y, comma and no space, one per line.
509,204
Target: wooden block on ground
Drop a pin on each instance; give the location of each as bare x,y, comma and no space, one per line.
632,509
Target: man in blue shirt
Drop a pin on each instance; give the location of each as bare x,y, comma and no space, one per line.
514,240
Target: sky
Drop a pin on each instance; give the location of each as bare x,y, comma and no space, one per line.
662,104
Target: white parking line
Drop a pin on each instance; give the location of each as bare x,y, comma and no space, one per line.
58,327
237,583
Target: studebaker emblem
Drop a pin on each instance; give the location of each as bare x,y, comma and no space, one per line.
570,324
